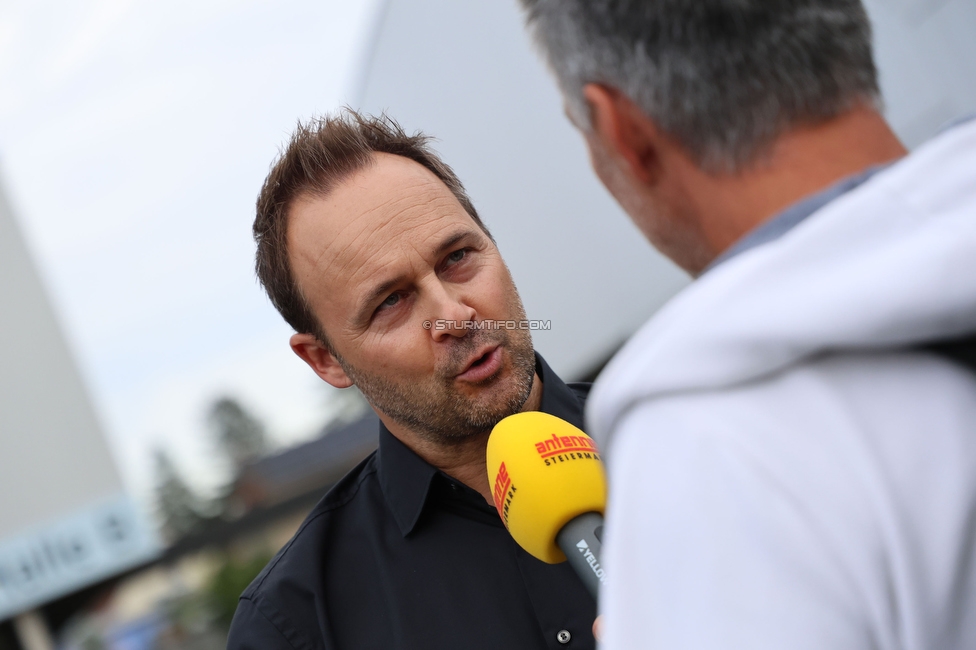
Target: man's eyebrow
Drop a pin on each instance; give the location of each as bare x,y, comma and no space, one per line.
453,239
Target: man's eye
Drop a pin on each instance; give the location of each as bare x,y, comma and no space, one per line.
390,301
457,256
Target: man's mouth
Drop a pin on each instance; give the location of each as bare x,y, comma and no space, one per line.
483,366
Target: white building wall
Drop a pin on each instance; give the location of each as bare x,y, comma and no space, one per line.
64,518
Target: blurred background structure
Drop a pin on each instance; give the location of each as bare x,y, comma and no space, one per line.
151,412
65,519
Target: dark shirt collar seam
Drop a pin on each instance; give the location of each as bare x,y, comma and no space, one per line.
353,489
405,480
264,606
781,223
409,525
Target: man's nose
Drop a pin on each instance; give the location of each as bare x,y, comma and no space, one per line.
451,315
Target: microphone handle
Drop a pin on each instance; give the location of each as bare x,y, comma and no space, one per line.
581,540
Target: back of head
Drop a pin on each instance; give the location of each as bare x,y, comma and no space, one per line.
722,77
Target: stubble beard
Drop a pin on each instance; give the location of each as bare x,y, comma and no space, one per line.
436,410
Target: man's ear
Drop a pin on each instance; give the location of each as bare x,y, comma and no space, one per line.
313,352
624,130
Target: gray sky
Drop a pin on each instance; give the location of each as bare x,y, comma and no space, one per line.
133,140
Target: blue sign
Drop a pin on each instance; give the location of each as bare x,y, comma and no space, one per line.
66,555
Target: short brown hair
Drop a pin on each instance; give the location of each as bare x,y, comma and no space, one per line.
322,152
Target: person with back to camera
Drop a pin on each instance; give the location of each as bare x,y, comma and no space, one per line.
792,439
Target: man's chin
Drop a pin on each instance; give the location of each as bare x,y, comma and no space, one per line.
503,394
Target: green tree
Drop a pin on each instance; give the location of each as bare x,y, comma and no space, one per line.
240,435
178,505
230,580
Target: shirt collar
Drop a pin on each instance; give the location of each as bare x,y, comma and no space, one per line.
406,479
777,226
783,222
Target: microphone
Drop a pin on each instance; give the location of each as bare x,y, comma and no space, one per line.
550,490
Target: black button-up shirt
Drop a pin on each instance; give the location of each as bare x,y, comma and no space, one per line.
400,555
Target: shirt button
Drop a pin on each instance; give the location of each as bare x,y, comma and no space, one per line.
563,636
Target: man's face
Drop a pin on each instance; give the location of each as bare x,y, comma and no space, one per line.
388,251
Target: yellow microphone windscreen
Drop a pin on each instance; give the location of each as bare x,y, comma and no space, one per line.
543,472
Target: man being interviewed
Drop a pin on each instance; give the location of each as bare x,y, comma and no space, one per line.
370,248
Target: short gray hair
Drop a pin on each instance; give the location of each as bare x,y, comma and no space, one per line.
723,77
